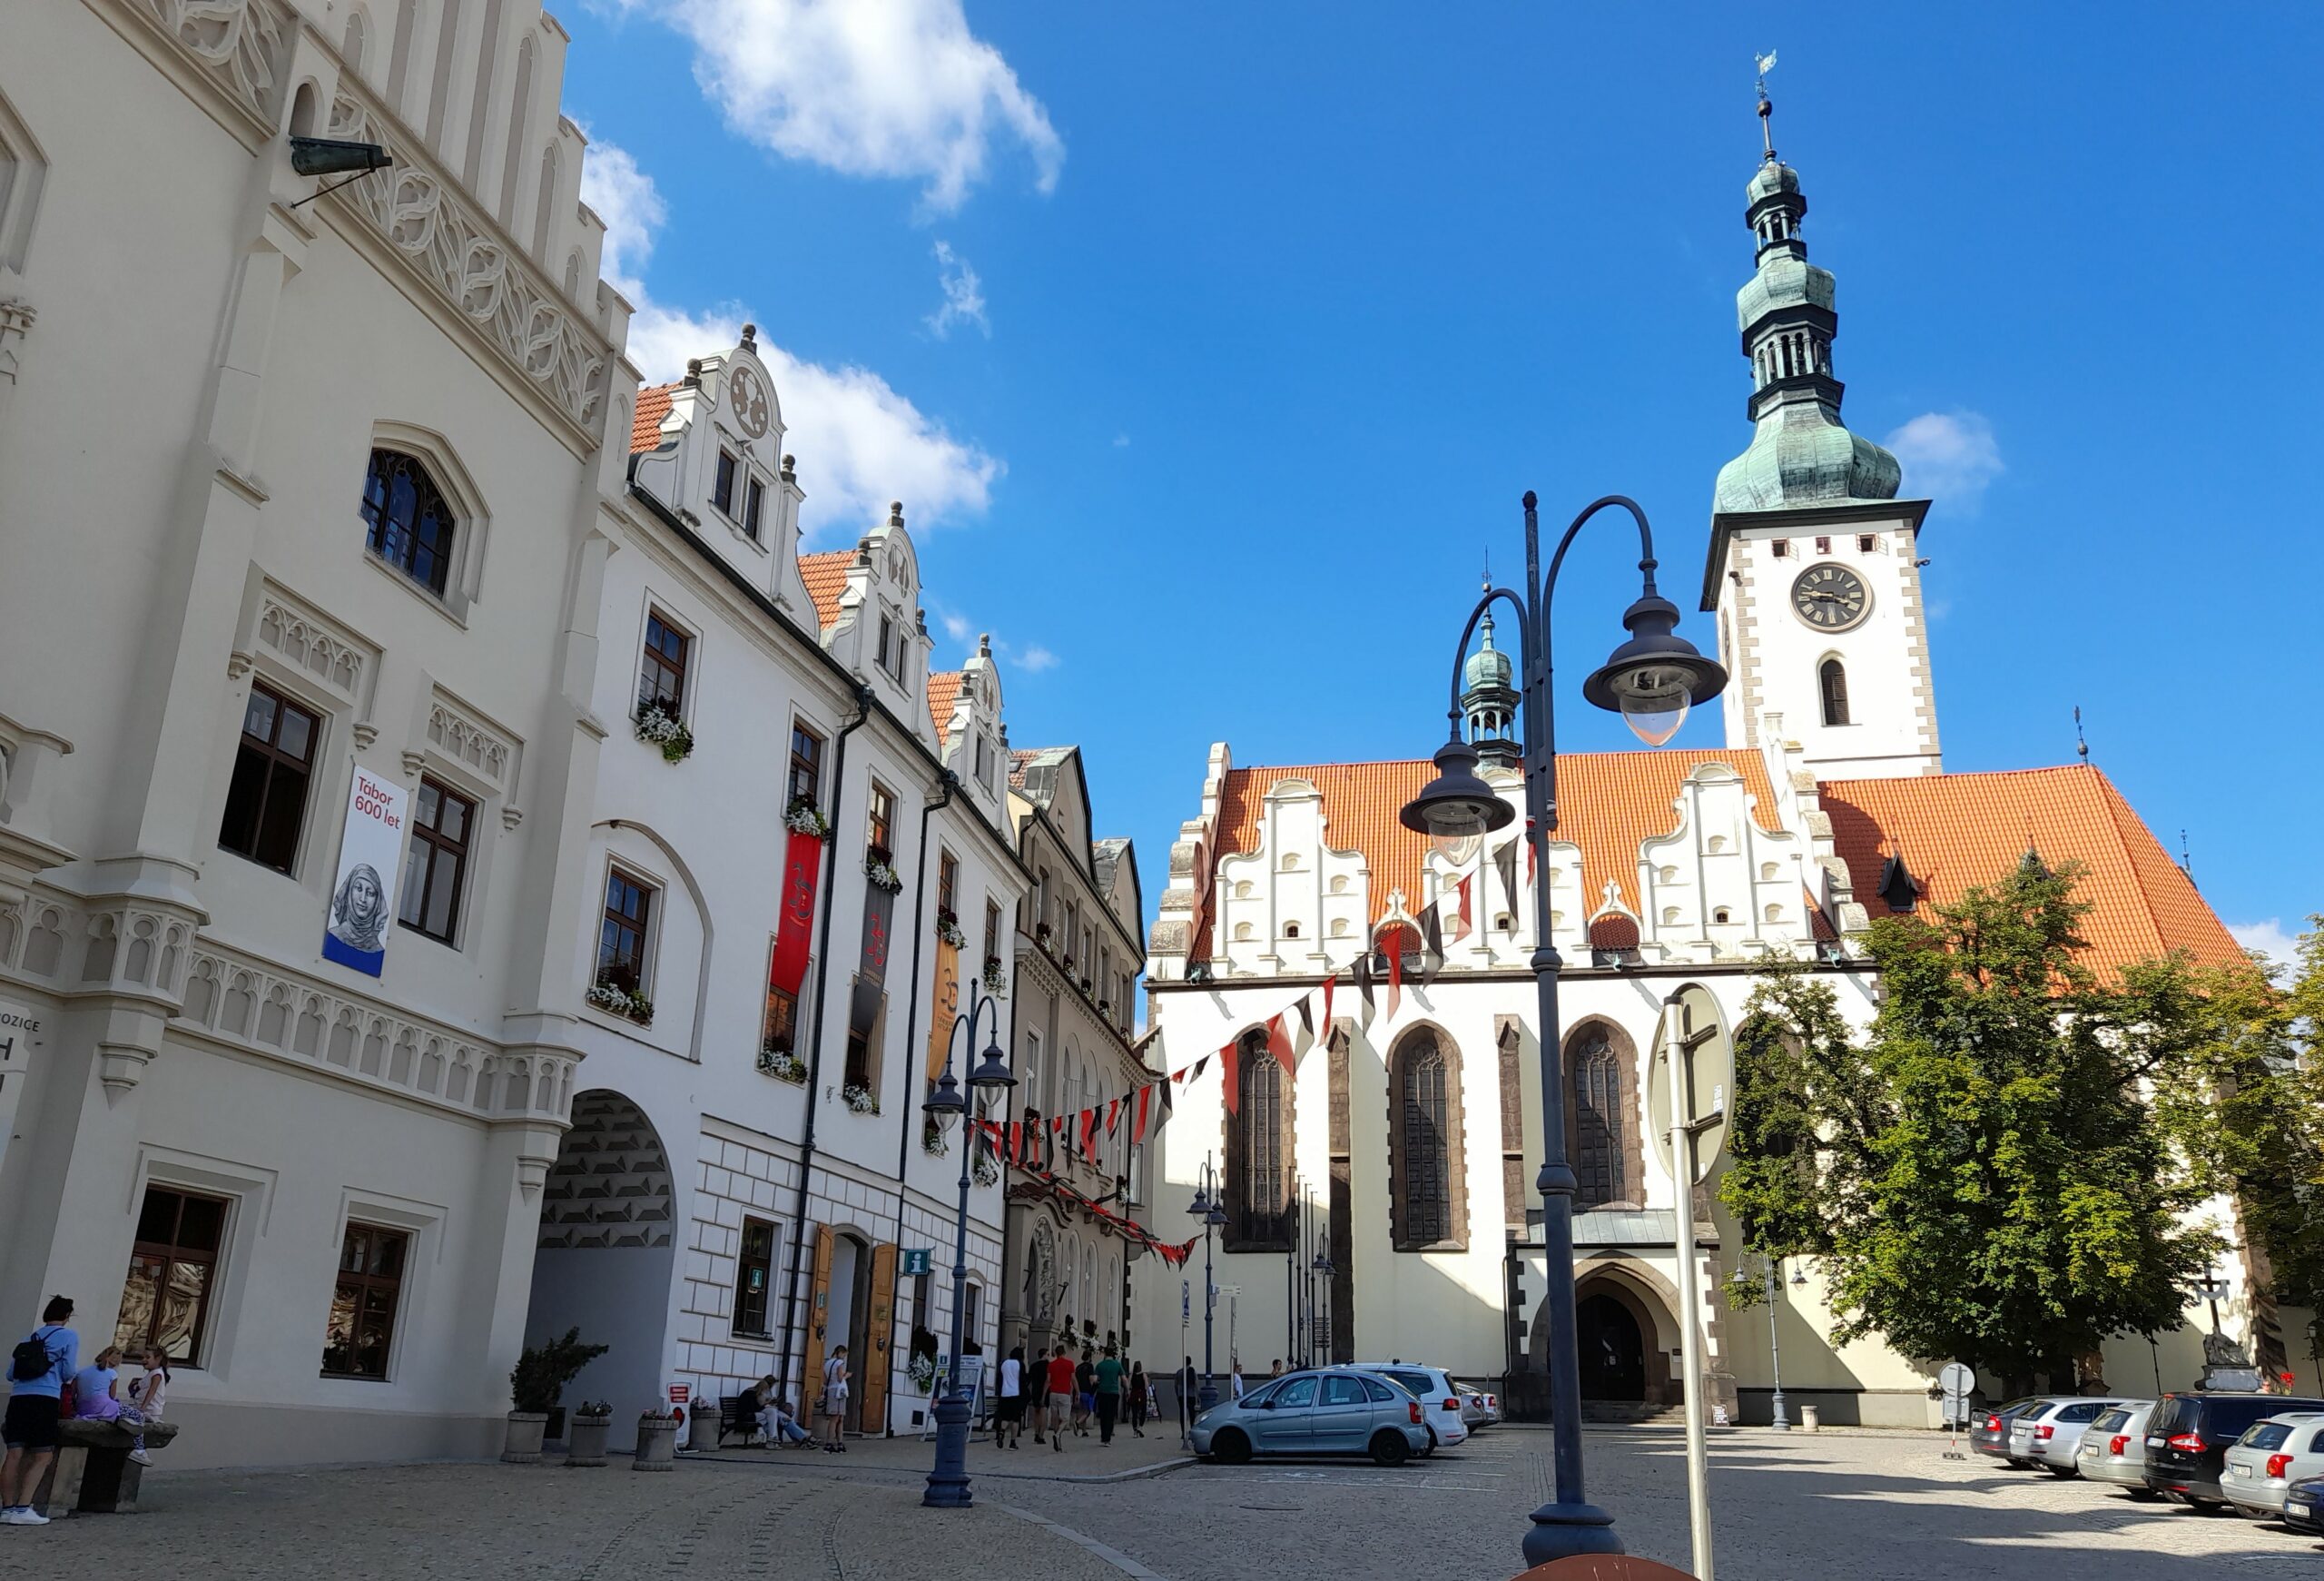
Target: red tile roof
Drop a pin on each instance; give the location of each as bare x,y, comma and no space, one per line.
943,691
1610,803
826,579
652,407
1955,830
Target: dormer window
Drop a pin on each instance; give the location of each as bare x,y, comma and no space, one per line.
891,648
754,508
984,762
722,491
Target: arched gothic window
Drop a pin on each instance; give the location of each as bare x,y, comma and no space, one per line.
1259,1151
1832,681
1603,1135
1428,1200
407,521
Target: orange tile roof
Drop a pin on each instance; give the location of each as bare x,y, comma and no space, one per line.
1610,803
1955,830
826,579
943,691
652,407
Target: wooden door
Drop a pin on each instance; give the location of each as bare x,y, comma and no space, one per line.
880,1335
819,1302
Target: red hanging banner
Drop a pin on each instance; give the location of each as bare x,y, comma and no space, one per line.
802,865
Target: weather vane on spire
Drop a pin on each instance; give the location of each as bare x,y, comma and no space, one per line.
1767,63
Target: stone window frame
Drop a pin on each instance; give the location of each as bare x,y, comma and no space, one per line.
1631,1158
472,530
1407,1049
1242,1233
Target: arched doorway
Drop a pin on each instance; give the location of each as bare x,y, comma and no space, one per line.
1613,1351
847,1319
603,1258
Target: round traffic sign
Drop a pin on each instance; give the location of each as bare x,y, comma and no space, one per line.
1692,1025
1956,1380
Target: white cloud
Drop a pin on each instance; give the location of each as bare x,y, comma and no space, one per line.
1947,455
1035,659
860,443
2269,937
895,88
1121,441
1030,657
963,295
957,626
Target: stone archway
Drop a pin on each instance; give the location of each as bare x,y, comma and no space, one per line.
605,1255
1631,1298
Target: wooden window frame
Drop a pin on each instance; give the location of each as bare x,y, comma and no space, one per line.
399,543
743,1263
807,765
879,820
754,508
167,1254
662,677
642,972
363,1283
277,760
725,473
428,840
948,883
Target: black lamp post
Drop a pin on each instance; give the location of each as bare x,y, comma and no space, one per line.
1320,1334
1208,1206
947,1484
1651,680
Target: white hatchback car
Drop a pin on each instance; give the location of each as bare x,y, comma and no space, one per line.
2273,1454
1434,1389
2049,1433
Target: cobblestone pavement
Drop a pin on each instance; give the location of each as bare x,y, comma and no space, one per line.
1083,1455
1863,1506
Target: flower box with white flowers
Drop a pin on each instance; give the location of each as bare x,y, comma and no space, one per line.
859,1100
931,1138
615,993
659,724
996,976
782,1064
949,930
879,866
805,817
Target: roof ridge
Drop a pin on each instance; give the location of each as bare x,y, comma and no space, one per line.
1972,774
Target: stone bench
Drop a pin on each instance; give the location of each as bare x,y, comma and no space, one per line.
93,1472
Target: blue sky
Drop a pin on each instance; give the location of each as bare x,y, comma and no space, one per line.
1211,347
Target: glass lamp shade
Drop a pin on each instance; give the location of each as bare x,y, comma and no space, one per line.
1455,848
1216,1217
1655,677
945,1106
1456,805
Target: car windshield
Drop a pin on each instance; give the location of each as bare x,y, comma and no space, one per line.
1414,1384
2266,1435
2014,1407
2112,1420
2173,1415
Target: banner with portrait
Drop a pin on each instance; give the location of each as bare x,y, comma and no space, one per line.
370,856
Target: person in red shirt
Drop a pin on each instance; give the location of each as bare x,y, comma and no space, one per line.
1060,1396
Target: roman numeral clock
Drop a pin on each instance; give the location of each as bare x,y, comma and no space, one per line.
1831,598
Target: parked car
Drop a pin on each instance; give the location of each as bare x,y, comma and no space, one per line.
1493,1409
2113,1449
2048,1433
2304,1506
1472,1410
1989,1426
1439,1397
2273,1453
1336,1410
2188,1436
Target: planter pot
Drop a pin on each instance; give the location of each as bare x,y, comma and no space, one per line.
586,1444
1811,1418
657,1444
524,1443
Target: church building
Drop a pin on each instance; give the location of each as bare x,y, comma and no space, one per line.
1392,1146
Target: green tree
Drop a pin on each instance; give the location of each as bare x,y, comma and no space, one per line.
1983,1176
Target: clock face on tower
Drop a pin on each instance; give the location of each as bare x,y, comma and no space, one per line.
1831,598
746,394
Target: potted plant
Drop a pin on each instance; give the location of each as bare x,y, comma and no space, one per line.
879,866
805,817
535,1384
860,1099
585,1442
948,928
987,1169
659,726
616,992
658,1441
781,1063
931,1137
996,976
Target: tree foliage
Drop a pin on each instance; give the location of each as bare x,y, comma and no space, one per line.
1986,1175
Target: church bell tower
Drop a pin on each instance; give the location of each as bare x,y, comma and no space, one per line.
1813,569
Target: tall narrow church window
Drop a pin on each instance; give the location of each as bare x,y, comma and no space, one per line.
1423,1145
1601,1123
1832,681
1258,1152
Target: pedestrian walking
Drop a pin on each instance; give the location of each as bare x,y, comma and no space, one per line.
38,1369
1140,1389
1189,1395
1085,1393
1060,1394
1009,1418
835,1402
148,1393
1234,1376
1108,1380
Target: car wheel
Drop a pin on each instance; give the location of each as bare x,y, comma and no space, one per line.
2063,1472
1434,1443
1230,1448
2143,1494
1389,1449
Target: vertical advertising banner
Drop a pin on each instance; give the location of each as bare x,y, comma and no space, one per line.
371,854
947,1006
802,861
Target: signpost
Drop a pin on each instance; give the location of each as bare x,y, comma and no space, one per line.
1694,1068
1956,1380
971,1385
916,1260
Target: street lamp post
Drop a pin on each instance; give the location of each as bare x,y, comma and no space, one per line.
1208,1206
1651,680
948,1483
1782,1421
1320,1333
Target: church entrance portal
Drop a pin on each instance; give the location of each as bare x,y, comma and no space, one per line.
1613,1351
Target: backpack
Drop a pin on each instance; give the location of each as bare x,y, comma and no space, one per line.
32,1359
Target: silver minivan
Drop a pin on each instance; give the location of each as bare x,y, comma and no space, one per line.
2114,1447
